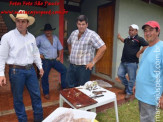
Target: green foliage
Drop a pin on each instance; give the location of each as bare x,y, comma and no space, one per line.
128,112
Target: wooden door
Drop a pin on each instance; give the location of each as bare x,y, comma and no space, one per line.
106,31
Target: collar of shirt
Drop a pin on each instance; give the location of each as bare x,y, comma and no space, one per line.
18,33
132,37
86,30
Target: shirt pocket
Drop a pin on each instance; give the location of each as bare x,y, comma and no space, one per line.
31,47
55,44
46,44
84,45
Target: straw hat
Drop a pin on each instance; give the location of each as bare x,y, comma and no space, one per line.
23,15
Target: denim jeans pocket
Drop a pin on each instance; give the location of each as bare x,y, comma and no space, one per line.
13,72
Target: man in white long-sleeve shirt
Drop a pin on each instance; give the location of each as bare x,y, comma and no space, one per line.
18,49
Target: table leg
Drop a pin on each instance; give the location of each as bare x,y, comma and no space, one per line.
93,110
60,101
116,110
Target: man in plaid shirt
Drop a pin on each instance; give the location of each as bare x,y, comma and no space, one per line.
82,44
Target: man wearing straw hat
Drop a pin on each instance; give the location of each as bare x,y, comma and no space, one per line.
19,50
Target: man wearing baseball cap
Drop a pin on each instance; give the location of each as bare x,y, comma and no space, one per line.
130,58
19,50
149,80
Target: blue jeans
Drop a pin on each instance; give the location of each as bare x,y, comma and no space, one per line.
130,69
47,65
18,79
77,75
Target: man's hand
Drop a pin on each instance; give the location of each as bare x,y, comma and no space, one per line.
58,59
2,80
138,54
89,66
120,38
42,56
140,51
161,102
133,90
41,72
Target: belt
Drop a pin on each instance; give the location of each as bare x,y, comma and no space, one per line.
77,65
27,67
51,59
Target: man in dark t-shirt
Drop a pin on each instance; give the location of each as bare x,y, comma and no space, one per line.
130,58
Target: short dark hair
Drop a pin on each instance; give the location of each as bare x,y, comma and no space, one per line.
157,29
82,18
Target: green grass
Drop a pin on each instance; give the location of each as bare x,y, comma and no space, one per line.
127,112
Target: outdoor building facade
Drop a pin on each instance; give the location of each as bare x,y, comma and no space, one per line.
106,17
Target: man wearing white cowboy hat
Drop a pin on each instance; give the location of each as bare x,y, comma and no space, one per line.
48,45
19,50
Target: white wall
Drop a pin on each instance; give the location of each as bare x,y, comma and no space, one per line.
138,12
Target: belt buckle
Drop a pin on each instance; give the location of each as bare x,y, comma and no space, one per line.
27,67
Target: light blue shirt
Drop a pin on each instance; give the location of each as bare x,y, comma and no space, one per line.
149,80
48,50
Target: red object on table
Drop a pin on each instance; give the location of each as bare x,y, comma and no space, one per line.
77,98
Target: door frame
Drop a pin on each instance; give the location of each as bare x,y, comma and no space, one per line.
115,32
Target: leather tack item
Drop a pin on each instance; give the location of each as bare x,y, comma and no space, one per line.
77,98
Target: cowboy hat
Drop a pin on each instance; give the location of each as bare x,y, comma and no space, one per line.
48,27
22,14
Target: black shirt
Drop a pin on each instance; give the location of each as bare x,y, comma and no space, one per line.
131,47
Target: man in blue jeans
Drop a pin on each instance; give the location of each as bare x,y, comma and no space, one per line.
48,45
82,44
130,58
19,50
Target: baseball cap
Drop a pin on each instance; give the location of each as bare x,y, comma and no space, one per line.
134,26
153,24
